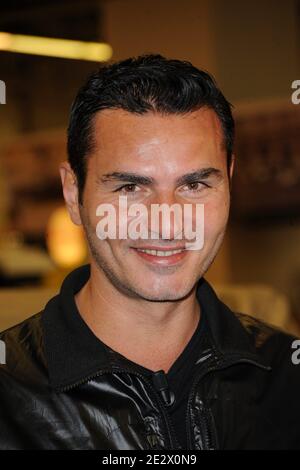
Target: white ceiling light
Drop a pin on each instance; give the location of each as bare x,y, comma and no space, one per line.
52,47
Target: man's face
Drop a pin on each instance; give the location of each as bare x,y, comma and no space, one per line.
156,159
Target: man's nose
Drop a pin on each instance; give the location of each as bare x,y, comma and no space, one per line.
165,216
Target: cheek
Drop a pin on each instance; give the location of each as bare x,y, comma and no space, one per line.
215,217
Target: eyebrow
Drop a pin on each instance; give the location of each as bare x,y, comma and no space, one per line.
132,177
135,178
202,174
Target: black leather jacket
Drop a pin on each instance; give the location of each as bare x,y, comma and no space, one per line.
61,390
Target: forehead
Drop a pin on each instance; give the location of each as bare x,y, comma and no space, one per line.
121,137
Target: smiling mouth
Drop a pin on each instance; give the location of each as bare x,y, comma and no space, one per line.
166,256
160,252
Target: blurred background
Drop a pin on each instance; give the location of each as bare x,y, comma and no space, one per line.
253,50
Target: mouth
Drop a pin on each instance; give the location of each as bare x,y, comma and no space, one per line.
166,256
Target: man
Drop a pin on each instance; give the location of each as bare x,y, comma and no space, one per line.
137,351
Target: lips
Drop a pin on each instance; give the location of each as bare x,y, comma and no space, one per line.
160,247
163,256
160,252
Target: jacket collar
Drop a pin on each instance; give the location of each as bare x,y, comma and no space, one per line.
74,353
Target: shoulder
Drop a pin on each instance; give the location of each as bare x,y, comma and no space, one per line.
23,334
271,343
277,391
22,349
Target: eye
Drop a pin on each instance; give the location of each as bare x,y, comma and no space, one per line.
195,186
129,188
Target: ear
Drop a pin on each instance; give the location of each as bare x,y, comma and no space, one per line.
231,166
70,191
230,173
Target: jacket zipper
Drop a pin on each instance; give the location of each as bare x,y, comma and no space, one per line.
209,439
208,436
174,444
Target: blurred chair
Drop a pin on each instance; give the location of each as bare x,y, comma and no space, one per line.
20,303
260,301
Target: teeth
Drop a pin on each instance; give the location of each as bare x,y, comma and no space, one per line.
160,253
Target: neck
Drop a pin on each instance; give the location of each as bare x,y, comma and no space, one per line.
151,334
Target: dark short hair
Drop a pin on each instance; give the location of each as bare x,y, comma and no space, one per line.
139,85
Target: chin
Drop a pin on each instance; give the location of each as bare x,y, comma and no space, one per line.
162,297
167,294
